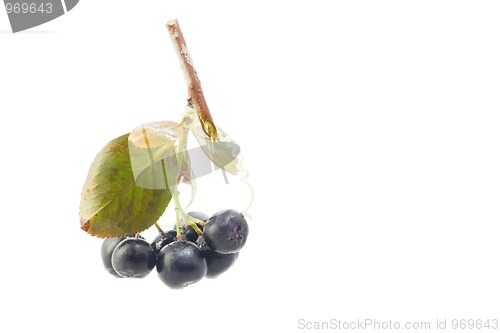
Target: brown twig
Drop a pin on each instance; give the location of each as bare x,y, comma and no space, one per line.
195,92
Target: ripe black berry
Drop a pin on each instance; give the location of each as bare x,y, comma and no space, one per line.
217,263
133,257
107,247
163,239
181,263
226,231
187,232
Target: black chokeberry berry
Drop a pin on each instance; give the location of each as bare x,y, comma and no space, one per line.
133,257
163,239
187,231
217,263
181,263
189,234
226,231
107,248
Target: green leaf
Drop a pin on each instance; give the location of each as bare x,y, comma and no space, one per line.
152,149
112,204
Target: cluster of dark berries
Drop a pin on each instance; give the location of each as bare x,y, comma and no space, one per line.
180,262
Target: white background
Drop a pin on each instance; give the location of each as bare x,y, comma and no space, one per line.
370,129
